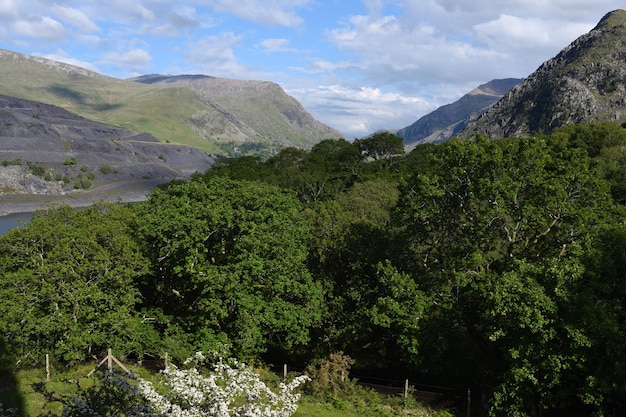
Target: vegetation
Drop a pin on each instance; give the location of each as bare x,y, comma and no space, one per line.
494,265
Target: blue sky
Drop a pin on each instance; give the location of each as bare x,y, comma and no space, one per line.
357,66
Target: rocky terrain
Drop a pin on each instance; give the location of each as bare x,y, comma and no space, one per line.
448,120
584,83
224,117
49,154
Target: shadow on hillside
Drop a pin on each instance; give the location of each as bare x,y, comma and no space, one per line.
80,98
9,389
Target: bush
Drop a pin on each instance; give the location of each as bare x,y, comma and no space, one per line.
229,389
330,378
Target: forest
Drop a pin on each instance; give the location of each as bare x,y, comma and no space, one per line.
492,264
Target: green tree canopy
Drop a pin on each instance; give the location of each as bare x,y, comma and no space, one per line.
230,263
68,284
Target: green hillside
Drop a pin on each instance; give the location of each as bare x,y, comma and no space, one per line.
172,113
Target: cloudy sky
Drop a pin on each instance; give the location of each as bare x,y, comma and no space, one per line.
357,66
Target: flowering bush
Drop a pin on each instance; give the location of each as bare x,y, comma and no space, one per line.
230,390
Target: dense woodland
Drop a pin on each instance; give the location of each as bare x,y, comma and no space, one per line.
495,265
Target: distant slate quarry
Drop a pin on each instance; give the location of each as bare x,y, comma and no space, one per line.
450,119
584,83
47,151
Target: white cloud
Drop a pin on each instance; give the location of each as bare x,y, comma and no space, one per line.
276,12
214,55
43,28
135,60
513,33
145,13
75,17
359,111
8,9
276,45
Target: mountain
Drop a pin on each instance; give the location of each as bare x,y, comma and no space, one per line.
252,106
243,117
448,120
47,153
584,83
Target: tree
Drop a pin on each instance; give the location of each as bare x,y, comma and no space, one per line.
69,284
368,302
230,263
495,232
384,148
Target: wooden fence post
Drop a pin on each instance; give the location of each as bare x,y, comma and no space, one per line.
285,371
109,359
406,388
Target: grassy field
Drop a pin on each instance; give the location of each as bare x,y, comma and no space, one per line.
33,394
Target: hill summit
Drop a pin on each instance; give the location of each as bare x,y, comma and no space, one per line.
584,83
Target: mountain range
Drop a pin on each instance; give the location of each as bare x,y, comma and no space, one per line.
67,131
450,119
223,117
584,83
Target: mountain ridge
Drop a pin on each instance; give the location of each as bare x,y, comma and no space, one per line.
446,121
172,112
584,83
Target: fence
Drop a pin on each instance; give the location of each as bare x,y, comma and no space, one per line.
426,394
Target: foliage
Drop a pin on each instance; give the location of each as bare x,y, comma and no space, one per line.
331,377
495,233
229,259
69,284
496,265
231,389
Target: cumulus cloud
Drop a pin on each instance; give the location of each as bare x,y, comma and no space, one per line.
276,45
75,18
359,111
8,9
44,28
135,60
214,55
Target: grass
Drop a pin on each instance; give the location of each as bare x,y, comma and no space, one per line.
29,391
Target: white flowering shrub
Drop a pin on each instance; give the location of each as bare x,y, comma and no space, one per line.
229,390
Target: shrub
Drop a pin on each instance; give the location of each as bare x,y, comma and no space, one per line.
230,389
330,378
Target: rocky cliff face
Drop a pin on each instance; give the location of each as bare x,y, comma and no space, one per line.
584,83
448,120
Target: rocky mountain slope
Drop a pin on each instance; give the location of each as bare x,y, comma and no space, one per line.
446,121
48,153
242,117
251,107
584,83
